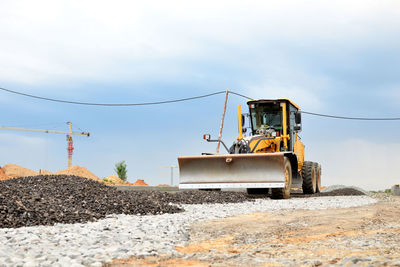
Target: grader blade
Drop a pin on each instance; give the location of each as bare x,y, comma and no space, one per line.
258,170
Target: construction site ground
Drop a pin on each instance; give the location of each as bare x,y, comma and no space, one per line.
359,236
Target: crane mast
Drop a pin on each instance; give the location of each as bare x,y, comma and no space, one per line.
70,133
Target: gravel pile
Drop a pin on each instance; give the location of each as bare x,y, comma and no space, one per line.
345,191
202,197
331,188
50,199
349,191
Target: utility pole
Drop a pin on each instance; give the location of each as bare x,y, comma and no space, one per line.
172,167
222,121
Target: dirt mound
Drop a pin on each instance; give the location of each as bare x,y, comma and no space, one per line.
113,179
79,171
139,182
3,175
50,199
14,171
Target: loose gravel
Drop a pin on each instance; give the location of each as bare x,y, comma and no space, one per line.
100,223
345,187
335,192
202,197
50,199
122,236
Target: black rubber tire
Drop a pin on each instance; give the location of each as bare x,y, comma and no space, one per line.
309,174
257,191
284,193
319,172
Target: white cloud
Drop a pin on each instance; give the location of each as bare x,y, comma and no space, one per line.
289,82
51,41
28,151
364,163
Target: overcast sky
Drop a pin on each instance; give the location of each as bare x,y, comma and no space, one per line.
332,57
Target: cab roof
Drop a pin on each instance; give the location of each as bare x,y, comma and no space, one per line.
273,100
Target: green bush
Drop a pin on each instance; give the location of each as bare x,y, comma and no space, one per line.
108,181
121,170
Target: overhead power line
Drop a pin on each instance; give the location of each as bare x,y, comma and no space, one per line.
350,118
334,116
110,104
185,99
234,93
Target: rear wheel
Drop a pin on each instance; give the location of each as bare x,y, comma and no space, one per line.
318,166
284,193
309,173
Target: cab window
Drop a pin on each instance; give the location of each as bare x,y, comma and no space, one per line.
264,116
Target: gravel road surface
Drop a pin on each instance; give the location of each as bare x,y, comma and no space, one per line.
356,236
72,221
123,236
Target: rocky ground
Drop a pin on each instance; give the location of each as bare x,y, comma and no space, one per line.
74,221
356,236
50,199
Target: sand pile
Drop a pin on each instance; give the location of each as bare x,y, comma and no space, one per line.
113,179
3,175
79,171
139,182
13,171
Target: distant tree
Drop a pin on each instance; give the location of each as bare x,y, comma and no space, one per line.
121,170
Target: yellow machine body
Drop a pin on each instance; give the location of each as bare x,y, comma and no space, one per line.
255,161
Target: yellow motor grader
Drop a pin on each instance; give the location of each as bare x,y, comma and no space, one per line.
270,157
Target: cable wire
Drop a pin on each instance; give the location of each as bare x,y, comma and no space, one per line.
231,92
112,104
349,118
187,99
332,116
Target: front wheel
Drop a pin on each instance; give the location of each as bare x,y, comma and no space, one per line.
284,193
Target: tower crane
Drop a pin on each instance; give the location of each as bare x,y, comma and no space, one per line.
70,144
